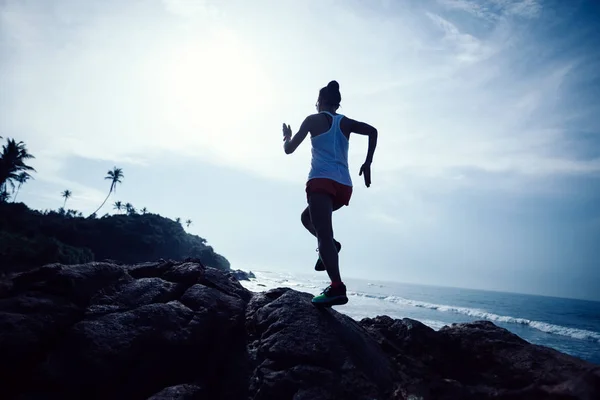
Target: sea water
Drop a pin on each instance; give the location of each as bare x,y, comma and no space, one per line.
568,325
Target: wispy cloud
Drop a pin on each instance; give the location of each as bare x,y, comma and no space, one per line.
468,48
496,9
191,9
194,78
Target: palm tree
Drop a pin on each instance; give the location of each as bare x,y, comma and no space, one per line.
128,208
188,222
118,205
12,162
144,210
115,176
66,194
178,220
22,177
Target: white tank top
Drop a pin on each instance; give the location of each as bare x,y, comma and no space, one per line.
330,154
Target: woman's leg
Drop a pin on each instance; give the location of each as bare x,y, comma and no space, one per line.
320,206
306,221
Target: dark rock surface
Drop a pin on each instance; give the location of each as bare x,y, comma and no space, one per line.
171,330
305,353
242,275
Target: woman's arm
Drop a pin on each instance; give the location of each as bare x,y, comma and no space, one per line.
364,129
291,143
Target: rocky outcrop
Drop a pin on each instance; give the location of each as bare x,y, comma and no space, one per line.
242,275
300,352
479,360
169,330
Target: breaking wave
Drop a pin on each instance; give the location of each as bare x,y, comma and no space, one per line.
581,334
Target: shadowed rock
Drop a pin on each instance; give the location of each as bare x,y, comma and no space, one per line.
315,351
242,275
173,330
179,392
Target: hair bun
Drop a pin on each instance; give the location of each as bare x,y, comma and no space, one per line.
333,85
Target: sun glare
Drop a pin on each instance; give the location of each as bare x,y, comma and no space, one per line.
213,84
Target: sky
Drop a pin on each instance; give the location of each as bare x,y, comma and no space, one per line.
487,169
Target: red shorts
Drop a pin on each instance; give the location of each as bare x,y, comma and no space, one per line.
340,193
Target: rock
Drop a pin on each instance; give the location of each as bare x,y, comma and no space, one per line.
242,275
187,273
95,331
110,261
100,352
224,282
150,269
477,360
194,260
179,392
302,352
133,294
180,330
30,324
77,283
226,309
494,356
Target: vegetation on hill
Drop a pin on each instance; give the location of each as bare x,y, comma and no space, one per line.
29,238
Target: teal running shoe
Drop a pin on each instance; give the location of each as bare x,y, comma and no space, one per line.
331,297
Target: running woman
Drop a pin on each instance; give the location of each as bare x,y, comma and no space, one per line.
329,186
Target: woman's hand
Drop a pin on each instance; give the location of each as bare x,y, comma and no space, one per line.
287,132
366,170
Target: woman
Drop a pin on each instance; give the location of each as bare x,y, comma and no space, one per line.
329,185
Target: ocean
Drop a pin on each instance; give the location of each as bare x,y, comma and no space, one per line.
568,325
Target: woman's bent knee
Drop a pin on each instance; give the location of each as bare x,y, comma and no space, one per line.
305,216
306,221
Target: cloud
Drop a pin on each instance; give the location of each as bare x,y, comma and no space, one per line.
83,197
193,9
471,7
209,81
494,10
522,8
469,49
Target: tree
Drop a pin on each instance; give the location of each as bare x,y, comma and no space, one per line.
12,163
115,176
178,220
22,177
130,209
118,205
188,222
66,194
144,210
